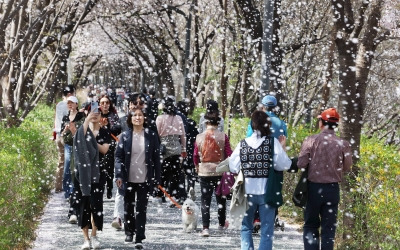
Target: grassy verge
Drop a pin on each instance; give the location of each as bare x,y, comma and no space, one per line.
27,159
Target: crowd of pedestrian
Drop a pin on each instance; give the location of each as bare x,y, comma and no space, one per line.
155,144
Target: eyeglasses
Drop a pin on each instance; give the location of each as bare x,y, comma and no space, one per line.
105,102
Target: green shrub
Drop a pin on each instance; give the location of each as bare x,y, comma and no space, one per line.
236,129
27,165
195,116
376,193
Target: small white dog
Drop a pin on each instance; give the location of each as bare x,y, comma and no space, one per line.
190,214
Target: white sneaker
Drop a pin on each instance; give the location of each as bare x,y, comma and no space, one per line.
205,232
86,245
117,223
95,242
73,219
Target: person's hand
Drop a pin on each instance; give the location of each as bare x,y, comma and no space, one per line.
66,129
91,116
282,140
119,183
72,127
184,154
103,121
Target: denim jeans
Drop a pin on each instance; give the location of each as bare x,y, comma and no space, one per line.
321,211
60,166
267,214
68,185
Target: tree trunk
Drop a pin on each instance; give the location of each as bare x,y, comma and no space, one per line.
224,79
353,79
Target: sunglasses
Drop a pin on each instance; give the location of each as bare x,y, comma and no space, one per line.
138,102
105,102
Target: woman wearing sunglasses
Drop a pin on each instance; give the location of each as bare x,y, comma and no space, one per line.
109,120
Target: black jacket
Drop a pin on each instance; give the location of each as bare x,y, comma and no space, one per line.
152,158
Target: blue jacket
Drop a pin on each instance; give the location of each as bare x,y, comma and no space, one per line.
278,127
152,158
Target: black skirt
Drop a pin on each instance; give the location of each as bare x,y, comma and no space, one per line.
91,206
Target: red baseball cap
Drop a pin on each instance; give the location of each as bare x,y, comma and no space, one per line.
330,115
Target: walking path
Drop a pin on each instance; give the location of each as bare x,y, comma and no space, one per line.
163,230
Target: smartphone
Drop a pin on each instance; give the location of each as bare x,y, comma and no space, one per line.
95,107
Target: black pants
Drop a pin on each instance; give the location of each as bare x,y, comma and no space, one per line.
208,185
321,211
90,206
135,209
109,166
73,200
190,172
173,178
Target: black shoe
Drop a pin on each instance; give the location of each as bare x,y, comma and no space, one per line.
129,239
109,193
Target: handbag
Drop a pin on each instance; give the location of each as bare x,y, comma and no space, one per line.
170,144
273,195
224,187
300,193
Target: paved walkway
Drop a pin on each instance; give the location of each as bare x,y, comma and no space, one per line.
163,230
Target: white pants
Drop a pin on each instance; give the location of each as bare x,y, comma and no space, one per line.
119,206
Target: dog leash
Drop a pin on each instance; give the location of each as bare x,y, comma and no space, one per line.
173,201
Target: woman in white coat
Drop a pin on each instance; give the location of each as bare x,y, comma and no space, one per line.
252,155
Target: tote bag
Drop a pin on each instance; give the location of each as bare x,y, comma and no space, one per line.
273,195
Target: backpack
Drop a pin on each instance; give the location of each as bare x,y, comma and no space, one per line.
210,151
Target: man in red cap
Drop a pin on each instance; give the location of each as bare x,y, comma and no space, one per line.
327,158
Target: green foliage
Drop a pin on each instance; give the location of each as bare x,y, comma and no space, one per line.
236,130
195,116
376,195
27,160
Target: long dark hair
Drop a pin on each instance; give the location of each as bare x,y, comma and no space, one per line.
133,98
212,118
260,121
112,108
130,115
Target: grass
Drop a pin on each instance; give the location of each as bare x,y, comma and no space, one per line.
27,166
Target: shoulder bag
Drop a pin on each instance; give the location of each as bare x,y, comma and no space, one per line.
300,193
